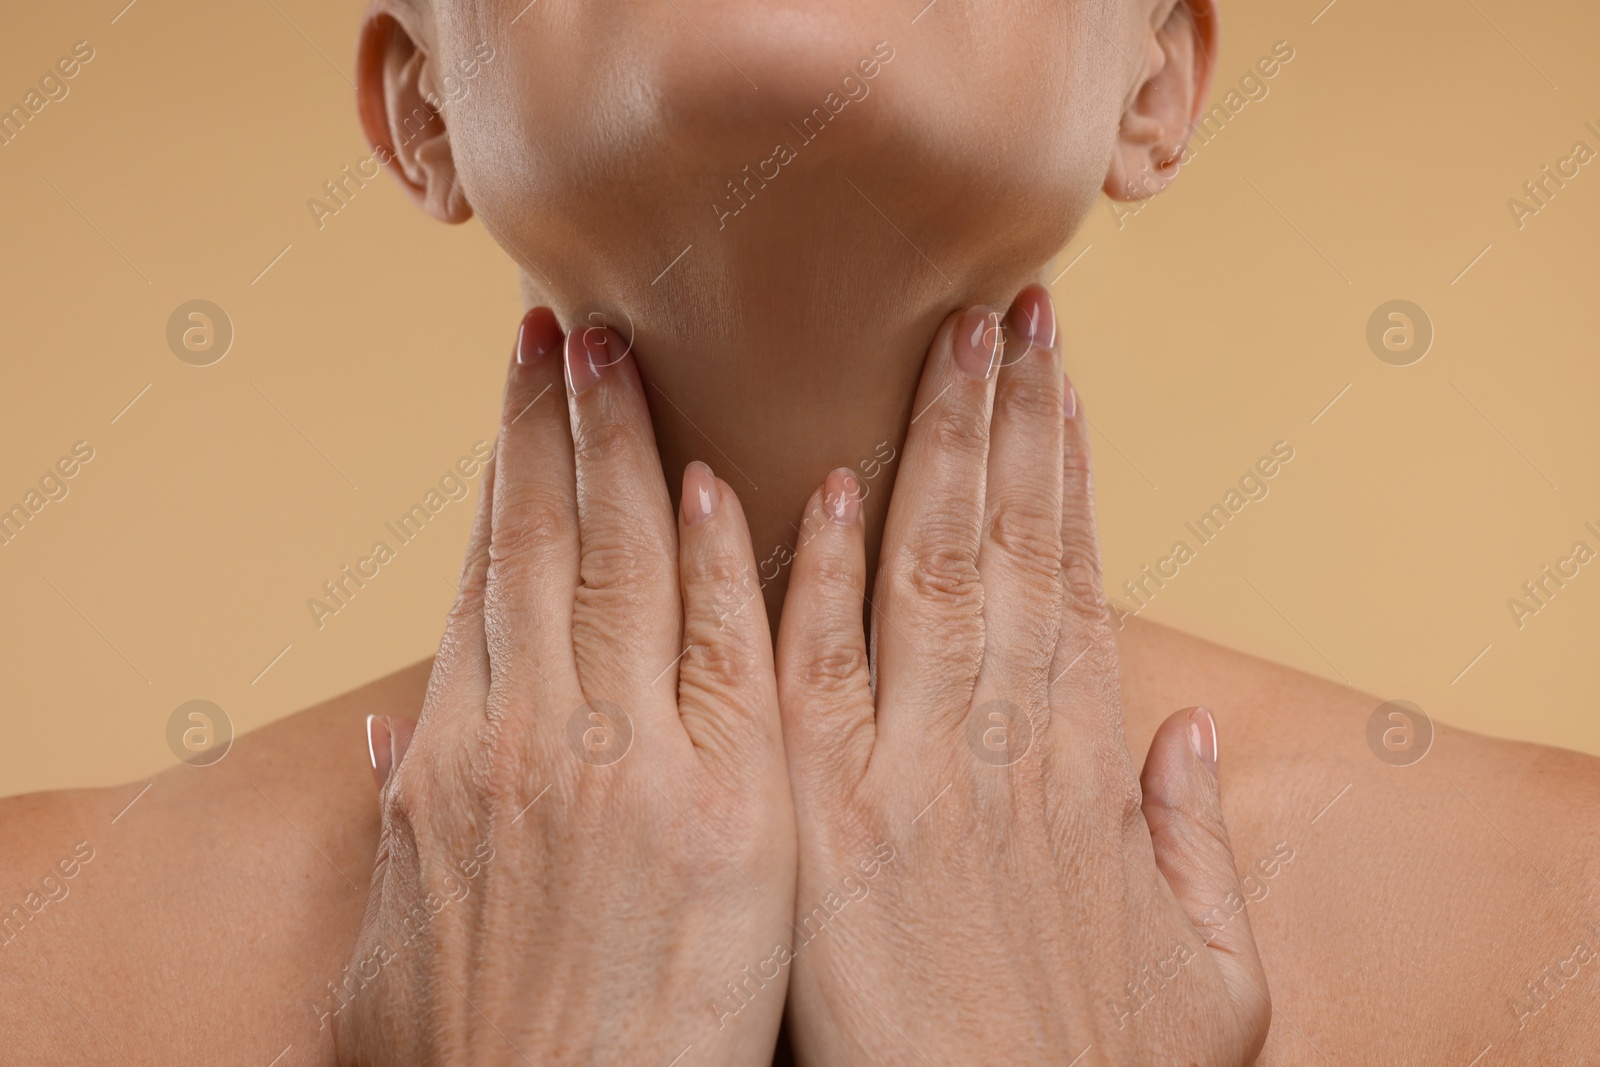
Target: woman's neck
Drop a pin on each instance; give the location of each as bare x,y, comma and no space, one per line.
775,368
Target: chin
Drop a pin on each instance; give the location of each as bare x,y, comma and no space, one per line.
611,138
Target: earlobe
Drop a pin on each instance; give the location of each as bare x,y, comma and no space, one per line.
1154,135
395,99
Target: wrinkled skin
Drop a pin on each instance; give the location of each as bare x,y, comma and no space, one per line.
1003,929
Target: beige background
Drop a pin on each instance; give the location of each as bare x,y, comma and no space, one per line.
369,357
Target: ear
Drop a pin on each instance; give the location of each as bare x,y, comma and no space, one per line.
1154,135
400,110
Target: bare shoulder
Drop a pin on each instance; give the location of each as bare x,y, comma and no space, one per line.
1435,908
202,914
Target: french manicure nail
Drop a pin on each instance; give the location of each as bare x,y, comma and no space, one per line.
588,356
378,747
700,493
979,342
1033,318
841,495
1203,736
538,336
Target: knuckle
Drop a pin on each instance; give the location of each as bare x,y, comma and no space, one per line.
836,573
1029,534
720,579
524,524
718,668
947,574
1029,397
941,564
622,564
715,615
601,440
832,669
959,428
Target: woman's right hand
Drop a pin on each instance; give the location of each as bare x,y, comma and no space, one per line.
590,835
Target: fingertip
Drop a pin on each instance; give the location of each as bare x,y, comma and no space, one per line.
841,497
379,751
388,738
978,343
1032,318
1177,752
829,564
728,502
702,493
1203,737
537,337
590,354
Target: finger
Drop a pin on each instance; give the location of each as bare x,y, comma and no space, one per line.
1019,559
475,564
461,667
727,699
928,618
1085,702
824,689
533,545
626,620
378,748
388,737
1183,807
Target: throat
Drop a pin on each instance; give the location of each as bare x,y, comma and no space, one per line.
782,351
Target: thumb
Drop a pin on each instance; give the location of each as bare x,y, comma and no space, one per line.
1183,808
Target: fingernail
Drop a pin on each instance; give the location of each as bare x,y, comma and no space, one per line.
378,747
1203,737
539,335
841,496
1069,398
1033,318
700,493
588,356
979,342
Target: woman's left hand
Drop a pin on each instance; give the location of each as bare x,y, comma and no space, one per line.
982,878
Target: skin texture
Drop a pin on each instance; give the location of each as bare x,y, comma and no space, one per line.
1420,901
978,752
